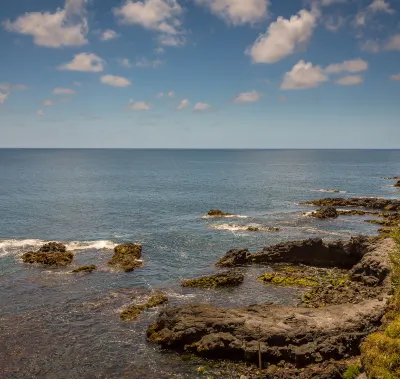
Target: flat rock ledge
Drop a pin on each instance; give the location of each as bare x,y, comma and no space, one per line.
296,336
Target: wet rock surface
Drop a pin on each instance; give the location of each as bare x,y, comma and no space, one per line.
50,254
126,256
223,279
86,269
364,202
327,212
132,312
218,213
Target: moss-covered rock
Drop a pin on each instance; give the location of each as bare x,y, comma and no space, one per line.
225,279
133,311
218,213
127,256
50,254
327,212
85,269
287,279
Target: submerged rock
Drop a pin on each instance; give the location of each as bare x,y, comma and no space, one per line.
327,212
218,213
364,202
127,256
290,279
51,254
133,311
312,252
224,279
85,269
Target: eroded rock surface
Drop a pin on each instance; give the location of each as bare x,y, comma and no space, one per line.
223,279
327,212
127,256
50,254
364,202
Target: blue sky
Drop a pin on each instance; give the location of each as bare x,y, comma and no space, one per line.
200,73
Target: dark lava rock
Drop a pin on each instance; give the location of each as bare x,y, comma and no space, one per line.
133,311
223,279
51,254
300,336
372,203
327,212
312,252
235,257
127,256
218,213
85,269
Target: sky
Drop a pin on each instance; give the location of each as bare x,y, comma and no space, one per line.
200,73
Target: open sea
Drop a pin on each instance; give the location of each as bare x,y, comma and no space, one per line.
54,324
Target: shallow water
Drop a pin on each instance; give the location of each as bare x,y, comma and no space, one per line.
55,324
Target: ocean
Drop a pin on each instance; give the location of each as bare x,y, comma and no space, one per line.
54,324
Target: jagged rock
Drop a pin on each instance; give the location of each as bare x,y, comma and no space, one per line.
313,252
327,212
235,257
85,269
223,279
372,203
127,256
51,254
133,311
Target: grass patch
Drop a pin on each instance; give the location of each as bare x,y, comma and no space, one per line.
380,352
352,372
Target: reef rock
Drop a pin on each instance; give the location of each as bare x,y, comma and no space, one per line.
51,254
133,311
223,279
235,257
87,269
127,256
327,212
397,184
218,213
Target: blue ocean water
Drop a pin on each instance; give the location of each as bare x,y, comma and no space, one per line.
94,199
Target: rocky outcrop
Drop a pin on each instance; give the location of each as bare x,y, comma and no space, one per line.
87,269
218,213
223,279
327,212
133,311
364,202
127,256
397,184
50,254
300,336
313,252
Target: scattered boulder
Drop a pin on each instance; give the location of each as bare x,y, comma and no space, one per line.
218,213
326,212
397,184
50,254
87,269
133,311
127,256
223,279
235,257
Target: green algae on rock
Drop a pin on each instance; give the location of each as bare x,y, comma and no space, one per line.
88,269
225,279
133,311
288,280
327,212
50,254
127,256
218,213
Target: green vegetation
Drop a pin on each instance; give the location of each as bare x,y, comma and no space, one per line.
352,372
287,279
380,352
127,256
133,311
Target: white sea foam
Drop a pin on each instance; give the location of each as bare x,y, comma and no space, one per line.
244,228
15,247
227,216
328,191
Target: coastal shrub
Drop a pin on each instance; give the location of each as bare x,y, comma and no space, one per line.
352,372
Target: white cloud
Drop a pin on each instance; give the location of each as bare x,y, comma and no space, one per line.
159,50
171,94
63,91
48,103
393,43
380,6
160,95
125,62
326,3
183,104
65,27
199,107
355,65
172,40
12,87
283,38
371,46
247,97
78,84
162,16
3,97
138,106
108,35
115,81
303,75
334,25
87,62
395,77
238,12
40,113
146,63
350,80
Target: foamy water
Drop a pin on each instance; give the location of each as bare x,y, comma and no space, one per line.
227,216
243,228
328,191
